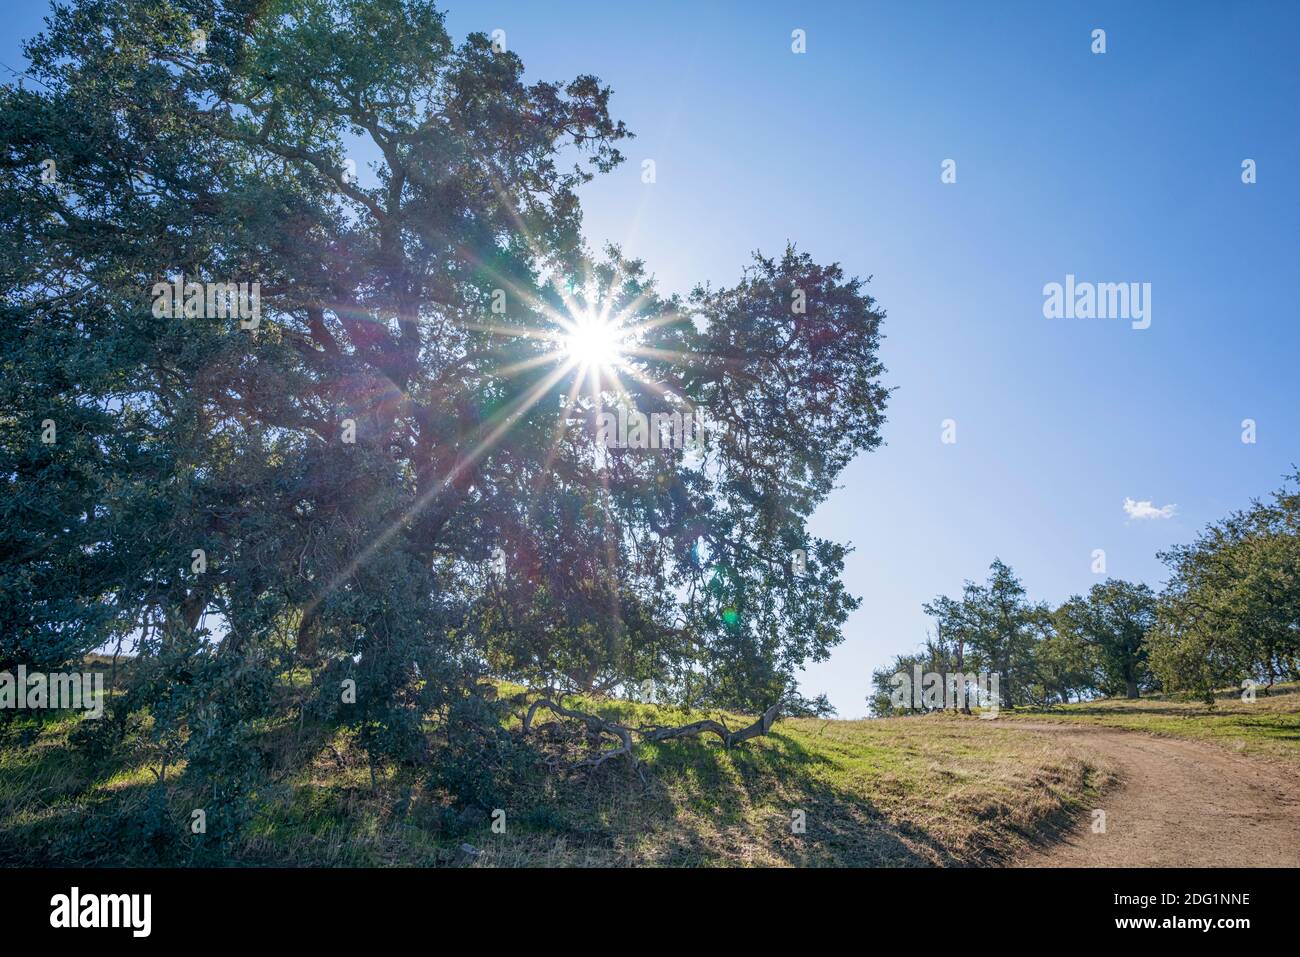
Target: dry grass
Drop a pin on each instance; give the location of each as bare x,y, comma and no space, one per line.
919,791
900,792
1267,727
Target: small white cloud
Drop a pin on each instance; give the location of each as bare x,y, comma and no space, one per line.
1140,510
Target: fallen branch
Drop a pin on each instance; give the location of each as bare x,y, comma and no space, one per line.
648,733
593,722
729,738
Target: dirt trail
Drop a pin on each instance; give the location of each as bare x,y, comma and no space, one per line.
1179,803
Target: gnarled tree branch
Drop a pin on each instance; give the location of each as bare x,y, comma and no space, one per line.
648,733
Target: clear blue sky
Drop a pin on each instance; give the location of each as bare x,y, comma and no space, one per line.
1118,167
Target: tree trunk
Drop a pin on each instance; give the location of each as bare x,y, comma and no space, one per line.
1132,688
309,634
192,608
961,669
1008,701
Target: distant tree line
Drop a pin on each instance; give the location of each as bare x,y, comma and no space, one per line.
1229,613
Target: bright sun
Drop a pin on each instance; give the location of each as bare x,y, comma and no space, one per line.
594,341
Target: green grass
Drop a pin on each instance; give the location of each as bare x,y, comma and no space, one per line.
1267,727
915,791
902,792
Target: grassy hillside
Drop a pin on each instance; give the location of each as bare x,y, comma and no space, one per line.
915,791
1268,727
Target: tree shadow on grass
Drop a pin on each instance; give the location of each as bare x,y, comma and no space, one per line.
1111,711
74,831
766,804
1227,703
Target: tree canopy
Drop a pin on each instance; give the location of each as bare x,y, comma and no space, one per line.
1231,611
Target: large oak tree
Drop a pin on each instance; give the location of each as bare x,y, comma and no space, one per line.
354,467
